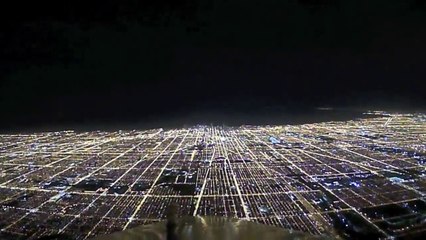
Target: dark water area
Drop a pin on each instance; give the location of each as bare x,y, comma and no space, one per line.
227,117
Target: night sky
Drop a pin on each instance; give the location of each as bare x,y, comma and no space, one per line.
75,63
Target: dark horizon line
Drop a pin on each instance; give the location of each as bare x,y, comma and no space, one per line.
214,117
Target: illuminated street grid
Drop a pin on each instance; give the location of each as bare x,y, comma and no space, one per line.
325,178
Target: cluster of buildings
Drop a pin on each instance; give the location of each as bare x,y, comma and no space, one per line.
351,179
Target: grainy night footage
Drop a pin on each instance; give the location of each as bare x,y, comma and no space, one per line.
212,119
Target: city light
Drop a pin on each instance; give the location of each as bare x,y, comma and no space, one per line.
330,178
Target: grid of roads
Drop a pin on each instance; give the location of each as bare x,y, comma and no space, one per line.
349,179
